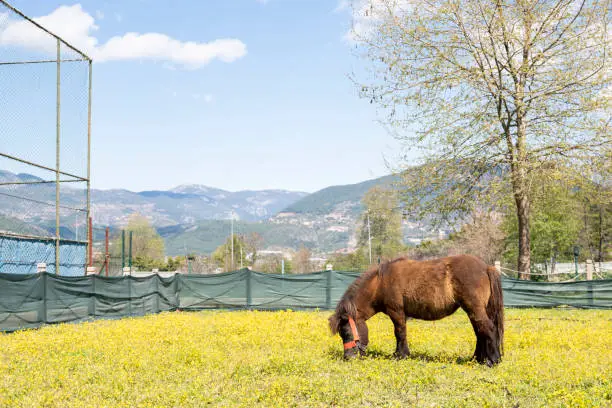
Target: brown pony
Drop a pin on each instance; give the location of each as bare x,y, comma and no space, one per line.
428,290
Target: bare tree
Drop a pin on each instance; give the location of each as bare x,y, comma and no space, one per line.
301,261
489,90
482,237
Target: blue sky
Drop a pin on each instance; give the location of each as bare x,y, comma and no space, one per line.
278,113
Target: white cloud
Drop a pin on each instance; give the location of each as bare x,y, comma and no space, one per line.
77,27
99,15
70,23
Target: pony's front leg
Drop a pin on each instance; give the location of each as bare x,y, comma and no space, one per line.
399,322
362,328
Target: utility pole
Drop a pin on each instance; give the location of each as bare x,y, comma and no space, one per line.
232,238
369,236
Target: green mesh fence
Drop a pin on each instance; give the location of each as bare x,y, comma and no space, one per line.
28,301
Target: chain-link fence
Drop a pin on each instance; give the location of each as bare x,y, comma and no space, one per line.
45,110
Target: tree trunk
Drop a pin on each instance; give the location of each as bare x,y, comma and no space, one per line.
524,246
601,234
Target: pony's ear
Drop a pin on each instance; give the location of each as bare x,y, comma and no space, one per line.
334,323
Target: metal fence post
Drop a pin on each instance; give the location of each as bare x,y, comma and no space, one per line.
57,161
93,295
177,289
122,250
89,243
88,187
129,278
249,300
328,290
157,278
44,313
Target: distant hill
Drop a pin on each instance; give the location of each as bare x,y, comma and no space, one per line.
195,218
324,201
324,221
15,226
184,204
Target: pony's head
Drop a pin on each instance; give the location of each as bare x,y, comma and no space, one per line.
343,322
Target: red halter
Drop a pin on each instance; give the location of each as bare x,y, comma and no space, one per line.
353,343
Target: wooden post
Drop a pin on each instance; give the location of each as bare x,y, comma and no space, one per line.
589,269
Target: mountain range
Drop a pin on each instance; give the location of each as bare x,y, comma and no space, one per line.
195,218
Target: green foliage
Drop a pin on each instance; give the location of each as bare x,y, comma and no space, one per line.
382,212
553,358
429,249
288,267
596,197
173,264
222,256
356,261
563,215
147,264
147,244
274,264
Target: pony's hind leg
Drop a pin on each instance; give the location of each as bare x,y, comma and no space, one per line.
486,351
399,322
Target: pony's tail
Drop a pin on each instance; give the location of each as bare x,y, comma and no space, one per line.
495,307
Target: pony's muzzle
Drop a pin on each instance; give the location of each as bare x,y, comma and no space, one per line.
351,353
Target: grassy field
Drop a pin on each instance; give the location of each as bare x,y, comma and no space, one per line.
553,358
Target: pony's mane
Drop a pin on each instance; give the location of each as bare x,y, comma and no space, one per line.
346,306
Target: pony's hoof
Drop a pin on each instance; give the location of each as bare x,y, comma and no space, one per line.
487,361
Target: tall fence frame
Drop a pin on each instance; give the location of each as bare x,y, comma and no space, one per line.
13,22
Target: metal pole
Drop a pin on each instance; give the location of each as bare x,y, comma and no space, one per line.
232,238
369,237
57,161
130,255
122,250
90,235
88,187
